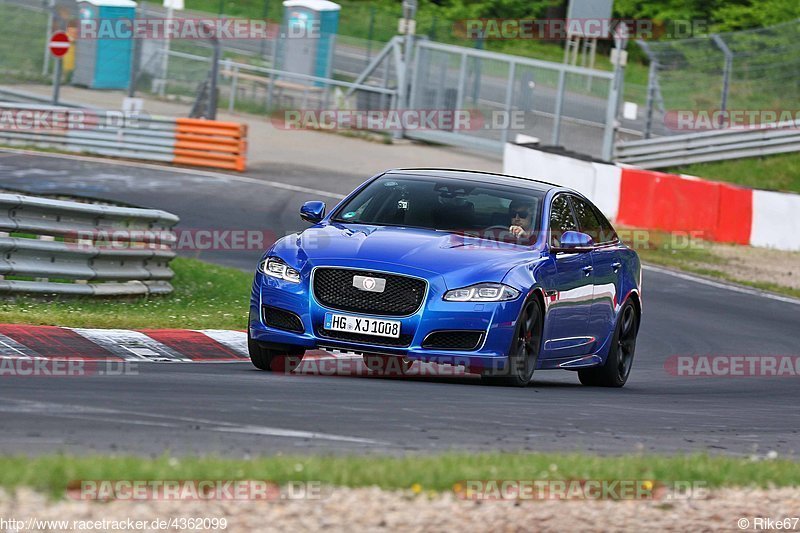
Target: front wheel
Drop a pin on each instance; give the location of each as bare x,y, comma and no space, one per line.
525,347
271,360
617,368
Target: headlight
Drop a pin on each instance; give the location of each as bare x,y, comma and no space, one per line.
277,268
482,292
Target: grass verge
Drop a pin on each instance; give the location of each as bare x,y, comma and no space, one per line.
52,473
206,296
779,172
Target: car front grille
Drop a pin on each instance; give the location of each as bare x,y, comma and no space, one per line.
401,342
282,319
453,340
333,288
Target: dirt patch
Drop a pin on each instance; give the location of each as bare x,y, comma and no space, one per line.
371,509
758,264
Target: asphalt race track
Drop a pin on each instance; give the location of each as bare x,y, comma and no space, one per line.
233,409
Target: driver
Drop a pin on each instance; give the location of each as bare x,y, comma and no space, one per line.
521,213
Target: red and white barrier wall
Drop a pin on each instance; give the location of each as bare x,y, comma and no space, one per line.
654,200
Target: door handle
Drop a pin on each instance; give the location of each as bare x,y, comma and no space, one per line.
616,266
587,269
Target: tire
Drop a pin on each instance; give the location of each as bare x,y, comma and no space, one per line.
617,368
524,351
271,360
387,365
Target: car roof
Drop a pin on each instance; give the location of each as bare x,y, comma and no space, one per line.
475,175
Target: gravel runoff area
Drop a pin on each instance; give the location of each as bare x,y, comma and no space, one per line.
372,509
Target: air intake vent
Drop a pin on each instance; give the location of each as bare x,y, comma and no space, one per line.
282,319
453,340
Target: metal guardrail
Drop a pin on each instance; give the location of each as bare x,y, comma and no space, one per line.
707,146
59,247
179,141
10,95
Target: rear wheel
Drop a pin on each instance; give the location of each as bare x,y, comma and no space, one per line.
617,368
525,347
272,360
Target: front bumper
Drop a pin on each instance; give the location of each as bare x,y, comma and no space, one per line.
496,319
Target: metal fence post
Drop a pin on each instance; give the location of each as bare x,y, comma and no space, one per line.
49,30
135,50
562,78
370,33
234,89
651,96
512,68
611,111
726,73
212,98
462,79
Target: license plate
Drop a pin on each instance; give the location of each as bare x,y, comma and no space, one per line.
363,325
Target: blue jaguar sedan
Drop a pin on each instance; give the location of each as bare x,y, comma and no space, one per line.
501,275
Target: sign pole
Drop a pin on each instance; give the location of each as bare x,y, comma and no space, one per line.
59,45
57,79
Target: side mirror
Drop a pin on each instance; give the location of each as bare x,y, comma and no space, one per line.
313,211
574,242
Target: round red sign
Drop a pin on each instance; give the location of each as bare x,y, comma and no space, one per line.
59,44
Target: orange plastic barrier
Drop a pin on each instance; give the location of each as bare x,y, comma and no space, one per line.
209,143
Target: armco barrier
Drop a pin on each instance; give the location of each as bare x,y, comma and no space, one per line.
654,200
714,145
180,141
83,249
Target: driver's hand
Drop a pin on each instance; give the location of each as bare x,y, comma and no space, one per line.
518,232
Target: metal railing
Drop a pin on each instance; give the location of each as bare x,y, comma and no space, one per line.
109,133
179,141
52,246
717,145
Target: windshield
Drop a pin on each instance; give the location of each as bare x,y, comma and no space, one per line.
487,210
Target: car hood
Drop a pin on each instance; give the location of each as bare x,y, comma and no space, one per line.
461,260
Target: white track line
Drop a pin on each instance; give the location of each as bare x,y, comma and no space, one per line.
130,345
11,349
721,285
166,421
234,340
180,170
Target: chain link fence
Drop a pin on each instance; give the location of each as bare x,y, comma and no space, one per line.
555,103
746,70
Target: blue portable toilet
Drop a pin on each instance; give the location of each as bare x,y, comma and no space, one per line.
309,35
104,62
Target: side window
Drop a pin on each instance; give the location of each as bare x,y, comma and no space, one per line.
607,232
561,219
587,219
